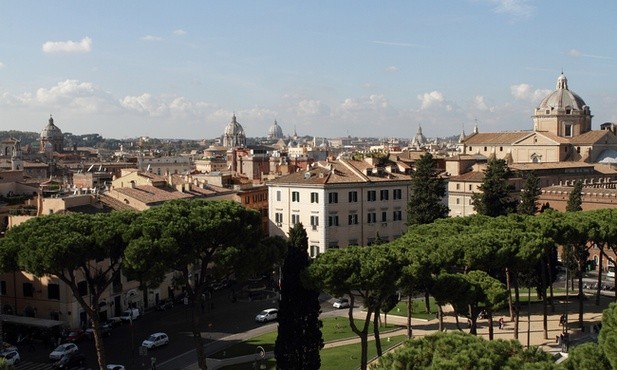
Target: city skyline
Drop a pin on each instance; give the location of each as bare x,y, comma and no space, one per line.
181,70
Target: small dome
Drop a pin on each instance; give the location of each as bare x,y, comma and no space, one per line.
562,97
275,131
51,132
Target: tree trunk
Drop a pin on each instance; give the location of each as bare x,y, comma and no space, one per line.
376,333
440,317
544,300
517,304
599,287
409,312
509,287
550,278
581,295
196,329
363,334
98,341
427,301
474,321
490,325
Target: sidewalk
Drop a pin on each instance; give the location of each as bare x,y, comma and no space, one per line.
532,328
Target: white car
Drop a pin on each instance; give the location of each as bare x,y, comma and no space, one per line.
11,357
115,367
341,303
63,350
155,340
267,315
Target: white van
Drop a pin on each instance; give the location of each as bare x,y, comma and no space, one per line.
130,314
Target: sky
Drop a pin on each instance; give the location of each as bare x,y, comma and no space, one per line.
181,69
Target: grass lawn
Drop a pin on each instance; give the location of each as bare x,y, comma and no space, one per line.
337,358
334,328
418,310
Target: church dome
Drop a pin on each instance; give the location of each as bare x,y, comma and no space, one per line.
275,131
234,128
51,132
562,98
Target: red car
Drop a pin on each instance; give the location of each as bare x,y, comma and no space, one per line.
75,336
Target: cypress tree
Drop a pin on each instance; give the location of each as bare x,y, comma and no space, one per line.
575,201
299,337
427,192
494,199
530,194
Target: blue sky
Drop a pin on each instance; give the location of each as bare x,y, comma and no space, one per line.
180,69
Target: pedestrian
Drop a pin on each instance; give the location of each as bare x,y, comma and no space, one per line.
501,323
153,363
562,320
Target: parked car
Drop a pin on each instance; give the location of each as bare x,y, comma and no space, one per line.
341,303
11,357
62,350
115,367
70,361
114,321
130,314
266,315
105,330
75,336
155,340
164,304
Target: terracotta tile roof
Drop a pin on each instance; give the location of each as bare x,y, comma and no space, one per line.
114,203
473,176
339,172
549,165
506,138
148,194
594,137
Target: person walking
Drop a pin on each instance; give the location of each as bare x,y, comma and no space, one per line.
501,323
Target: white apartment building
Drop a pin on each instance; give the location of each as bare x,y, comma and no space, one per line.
341,203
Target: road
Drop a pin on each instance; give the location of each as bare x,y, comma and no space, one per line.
223,319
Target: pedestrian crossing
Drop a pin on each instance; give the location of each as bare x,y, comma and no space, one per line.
26,365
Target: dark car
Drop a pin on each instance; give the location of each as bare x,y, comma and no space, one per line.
70,360
164,305
75,336
105,330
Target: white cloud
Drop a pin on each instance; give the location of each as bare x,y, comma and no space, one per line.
311,107
179,32
82,46
151,38
431,98
516,8
2,65
392,43
526,92
573,53
479,103
392,69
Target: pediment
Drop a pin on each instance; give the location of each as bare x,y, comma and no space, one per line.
536,138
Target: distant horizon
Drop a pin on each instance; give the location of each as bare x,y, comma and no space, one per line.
325,69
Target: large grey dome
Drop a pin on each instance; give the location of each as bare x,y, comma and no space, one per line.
51,132
275,131
562,97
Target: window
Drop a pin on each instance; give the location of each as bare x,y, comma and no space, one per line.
333,198
82,288
28,290
384,194
458,201
333,220
3,287
53,291
295,219
501,148
314,222
470,186
353,196
314,197
371,217
384,216
278,218
397,194
353,242
458,186
247,199
295,196
567,130
314,250
278,195
485,149
353,219
397,216
371,195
